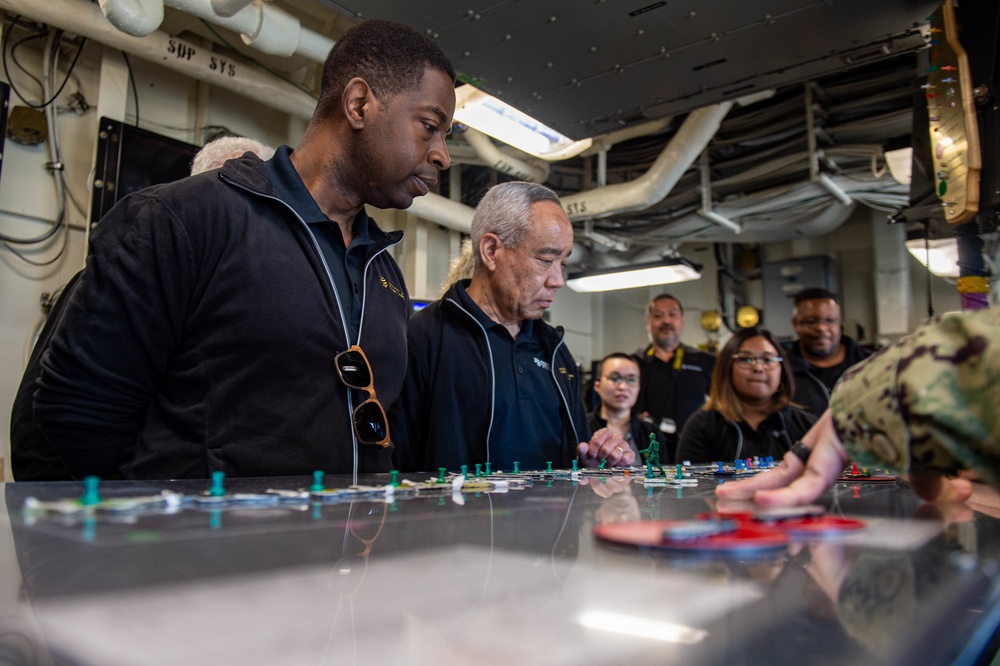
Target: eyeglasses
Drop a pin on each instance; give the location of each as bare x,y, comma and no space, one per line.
370,423
812,322
749,360
617,379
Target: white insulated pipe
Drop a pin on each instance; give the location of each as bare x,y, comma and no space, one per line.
262,25
83,18
229,7
507,164
651,187
134,17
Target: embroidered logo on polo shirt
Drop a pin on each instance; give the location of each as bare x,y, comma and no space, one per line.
541,364
388,285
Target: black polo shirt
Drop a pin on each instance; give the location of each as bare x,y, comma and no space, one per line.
346,264
527,409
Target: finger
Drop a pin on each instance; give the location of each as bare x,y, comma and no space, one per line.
934,487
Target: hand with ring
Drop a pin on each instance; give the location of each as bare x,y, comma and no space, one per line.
605,445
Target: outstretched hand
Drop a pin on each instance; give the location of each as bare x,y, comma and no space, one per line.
794,483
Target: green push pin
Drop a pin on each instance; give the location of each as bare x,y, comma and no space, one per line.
90,495
488,471
603,464
441,471
517,468
575,468
394,478
679,474
317,486
217,489
465,472
548,466
479,470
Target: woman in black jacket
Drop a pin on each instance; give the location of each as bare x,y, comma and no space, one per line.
749,411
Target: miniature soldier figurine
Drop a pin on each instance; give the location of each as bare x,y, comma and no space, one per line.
652,453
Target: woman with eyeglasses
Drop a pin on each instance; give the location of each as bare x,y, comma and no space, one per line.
749,411
617,385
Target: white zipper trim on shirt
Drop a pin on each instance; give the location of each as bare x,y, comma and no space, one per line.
493,381
569,414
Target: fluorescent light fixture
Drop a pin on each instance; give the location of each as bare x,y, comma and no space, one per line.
505,123
943,255
641,627
836,190
637,275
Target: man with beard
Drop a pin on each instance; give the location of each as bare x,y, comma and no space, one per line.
675,377
821,354
244,320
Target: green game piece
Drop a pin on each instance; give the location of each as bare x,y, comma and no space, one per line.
488,472
317,486
575,468
517,469
680,472
603,464
394,478
652,453
548,466
441,472
465,472
90,495
217,489
479,472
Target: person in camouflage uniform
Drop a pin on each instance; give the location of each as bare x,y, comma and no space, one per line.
925,406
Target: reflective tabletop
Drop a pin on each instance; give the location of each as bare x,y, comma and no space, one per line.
515,577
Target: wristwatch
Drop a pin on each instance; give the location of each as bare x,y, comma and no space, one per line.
801,451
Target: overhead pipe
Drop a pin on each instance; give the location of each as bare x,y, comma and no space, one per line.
134,17
605,142
83,18
229,7
651,187
261,25
504,163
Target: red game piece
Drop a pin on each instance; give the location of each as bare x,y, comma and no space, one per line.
745,538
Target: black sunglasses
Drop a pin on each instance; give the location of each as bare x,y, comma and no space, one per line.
370,423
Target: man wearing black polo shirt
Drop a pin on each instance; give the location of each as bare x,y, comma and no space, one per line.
208,331
821,354
487,380
675,377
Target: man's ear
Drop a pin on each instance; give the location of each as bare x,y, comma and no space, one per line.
358,102
489,244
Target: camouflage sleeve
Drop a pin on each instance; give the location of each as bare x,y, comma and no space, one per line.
930,401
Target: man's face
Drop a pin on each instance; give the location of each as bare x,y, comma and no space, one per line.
527,277
401,150
817,325
665,323
618,384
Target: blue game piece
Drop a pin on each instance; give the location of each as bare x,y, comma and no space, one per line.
721,467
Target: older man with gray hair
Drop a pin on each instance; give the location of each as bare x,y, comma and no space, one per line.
487,380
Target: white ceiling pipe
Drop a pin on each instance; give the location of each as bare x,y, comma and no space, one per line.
229,7
83,18
441,210
651,187
504,163
606,141
134,17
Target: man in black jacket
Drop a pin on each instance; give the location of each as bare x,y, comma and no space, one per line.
821,354
207,331
487,381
